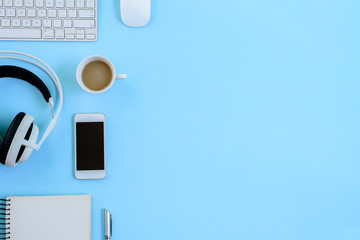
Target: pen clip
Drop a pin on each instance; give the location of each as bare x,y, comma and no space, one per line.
110,225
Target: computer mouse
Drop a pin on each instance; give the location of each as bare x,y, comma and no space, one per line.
135,13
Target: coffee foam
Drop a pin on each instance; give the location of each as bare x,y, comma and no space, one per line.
97,75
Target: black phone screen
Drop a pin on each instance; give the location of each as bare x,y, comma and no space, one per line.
90,146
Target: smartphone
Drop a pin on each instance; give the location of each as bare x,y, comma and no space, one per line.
90,154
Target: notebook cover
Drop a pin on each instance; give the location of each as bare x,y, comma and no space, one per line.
50,217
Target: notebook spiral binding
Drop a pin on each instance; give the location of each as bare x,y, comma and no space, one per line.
4,219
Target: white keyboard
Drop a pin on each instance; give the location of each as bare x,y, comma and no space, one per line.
48,20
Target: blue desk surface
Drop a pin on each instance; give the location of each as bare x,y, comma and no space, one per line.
239,120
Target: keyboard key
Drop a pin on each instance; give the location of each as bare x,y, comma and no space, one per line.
42,13
86,13
57,23
80,3
52,13
84,23
70,3
24,33
36,22
26,22
39,3
49,3
80,36
15,22
18,3
70,36
31,12
67,23
7,3
90,36
60,3
60,33
47,23
10,12
90,3
2,12
48,33
80,31
5,22
72,13
62,13
1,3
21,12
29,3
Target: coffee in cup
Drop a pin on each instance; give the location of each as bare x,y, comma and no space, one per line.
96,74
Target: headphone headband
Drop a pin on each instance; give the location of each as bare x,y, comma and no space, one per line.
26,75
41,86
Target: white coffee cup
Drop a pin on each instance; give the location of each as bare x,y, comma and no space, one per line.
100,71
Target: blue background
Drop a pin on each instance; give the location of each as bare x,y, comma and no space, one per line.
239,120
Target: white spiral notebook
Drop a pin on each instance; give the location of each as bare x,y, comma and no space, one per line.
46,218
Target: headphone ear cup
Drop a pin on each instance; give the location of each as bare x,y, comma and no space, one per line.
12,148
31,136
10,133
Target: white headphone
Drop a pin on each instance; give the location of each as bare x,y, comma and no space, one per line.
20,138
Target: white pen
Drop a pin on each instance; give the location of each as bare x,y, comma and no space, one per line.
108,224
